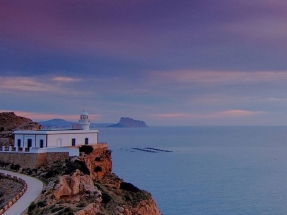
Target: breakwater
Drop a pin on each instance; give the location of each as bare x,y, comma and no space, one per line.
151,150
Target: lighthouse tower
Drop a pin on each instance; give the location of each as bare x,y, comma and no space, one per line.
84,120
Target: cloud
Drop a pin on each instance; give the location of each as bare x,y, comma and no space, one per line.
218,77
25,84
274,99
221,114
37,84
44,116
65,79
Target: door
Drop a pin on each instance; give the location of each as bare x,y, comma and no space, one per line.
86,141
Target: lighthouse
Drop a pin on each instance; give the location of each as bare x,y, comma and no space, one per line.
84,120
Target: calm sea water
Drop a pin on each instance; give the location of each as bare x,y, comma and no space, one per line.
212,170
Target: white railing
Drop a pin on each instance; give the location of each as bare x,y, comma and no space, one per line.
72,151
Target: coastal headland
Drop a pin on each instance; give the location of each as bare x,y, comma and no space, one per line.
84,185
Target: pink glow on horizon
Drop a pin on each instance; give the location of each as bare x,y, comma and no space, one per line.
222,114
43,116
238,113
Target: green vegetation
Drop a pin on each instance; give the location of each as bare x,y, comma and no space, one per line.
86,149
106,198
129,187
31,207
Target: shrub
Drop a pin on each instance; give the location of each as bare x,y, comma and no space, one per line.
97,159
109,152
99,187
127,198
98,169
82,167
17,167
2,163
52,173
81,204
71,167
41,204
129,187
86,149
66,211
31,207
53,210
28,171
106,198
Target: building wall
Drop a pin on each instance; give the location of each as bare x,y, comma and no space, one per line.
34,137
32,160
55,140
62,140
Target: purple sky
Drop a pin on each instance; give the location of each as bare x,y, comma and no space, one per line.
199,62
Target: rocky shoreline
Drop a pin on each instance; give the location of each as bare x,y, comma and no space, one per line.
85,185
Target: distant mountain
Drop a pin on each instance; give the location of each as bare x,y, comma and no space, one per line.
100,125
126,122
61,123
56,123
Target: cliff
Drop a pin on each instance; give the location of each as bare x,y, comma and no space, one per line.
85,185
9,122
126,122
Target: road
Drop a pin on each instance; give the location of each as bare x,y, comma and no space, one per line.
34,188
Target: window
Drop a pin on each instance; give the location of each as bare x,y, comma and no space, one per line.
86,141
73,142
29,141
41,143
19,143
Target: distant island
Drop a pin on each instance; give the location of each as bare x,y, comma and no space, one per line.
125,122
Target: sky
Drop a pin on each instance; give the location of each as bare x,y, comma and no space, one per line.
178,63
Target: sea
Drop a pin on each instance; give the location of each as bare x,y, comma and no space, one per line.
204,170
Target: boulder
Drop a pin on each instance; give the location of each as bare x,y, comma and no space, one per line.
70,186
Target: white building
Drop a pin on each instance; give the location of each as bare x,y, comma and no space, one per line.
27,139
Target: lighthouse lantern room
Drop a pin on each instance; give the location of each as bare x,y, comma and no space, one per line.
84,120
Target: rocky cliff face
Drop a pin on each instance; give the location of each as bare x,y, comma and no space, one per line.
98,160
85,185
126,122
9,122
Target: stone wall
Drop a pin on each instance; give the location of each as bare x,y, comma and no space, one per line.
18,196
32,160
